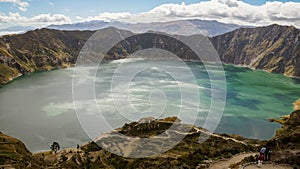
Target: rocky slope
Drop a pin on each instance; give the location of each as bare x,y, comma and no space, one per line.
272,48
38,50
14,152
286,142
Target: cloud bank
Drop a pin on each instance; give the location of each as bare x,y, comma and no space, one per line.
227,11
38,19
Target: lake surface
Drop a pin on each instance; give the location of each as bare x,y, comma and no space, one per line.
39,108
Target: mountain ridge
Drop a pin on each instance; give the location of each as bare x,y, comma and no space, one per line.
179,27
273,48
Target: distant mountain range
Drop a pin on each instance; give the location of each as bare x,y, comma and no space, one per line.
180,27
15,30
272,48
92,25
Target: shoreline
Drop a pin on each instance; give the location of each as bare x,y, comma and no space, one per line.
12,79
239,66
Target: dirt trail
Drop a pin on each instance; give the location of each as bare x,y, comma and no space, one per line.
268,166
226,163
237,158
216,135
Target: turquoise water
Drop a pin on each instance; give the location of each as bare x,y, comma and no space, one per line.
39,108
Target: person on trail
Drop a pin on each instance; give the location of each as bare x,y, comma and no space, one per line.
263,151
266,153
269,153
261,156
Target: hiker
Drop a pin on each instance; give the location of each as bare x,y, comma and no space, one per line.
263,150
266,153
260,160
269,153
261,156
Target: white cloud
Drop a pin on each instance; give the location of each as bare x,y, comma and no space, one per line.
228,11
108,17
47,18
38,19
12,17
21,5
51,3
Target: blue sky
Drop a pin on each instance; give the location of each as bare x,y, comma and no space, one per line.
73,8
245,12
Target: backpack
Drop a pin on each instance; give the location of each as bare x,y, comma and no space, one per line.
262,150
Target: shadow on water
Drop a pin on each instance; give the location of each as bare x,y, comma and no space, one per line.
296,81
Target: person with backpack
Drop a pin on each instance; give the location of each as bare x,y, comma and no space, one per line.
261,156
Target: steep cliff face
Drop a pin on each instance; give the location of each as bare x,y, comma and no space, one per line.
272,48
39,50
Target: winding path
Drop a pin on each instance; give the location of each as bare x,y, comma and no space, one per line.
224,164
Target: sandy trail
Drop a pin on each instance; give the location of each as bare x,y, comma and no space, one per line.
226,163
